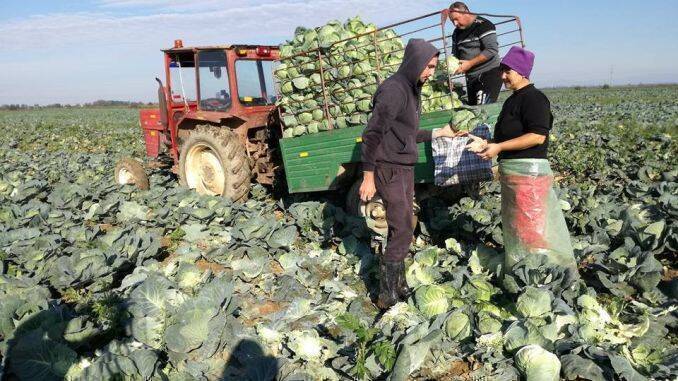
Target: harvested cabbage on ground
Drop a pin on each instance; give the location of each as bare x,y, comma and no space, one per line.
100,281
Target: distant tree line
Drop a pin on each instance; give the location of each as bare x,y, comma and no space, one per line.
99,103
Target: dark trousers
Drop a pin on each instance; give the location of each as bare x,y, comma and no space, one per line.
484,88
395,186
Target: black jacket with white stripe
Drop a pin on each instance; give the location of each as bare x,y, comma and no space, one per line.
478,38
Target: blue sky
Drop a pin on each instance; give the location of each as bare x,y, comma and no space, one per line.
78,51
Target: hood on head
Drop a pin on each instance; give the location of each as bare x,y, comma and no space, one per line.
417,54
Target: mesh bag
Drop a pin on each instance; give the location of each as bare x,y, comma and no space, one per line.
533,224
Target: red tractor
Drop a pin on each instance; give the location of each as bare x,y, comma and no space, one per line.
209,88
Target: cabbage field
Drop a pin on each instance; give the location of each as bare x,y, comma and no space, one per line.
106,282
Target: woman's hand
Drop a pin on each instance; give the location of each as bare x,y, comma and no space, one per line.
484,149
490,151
367,187
477,144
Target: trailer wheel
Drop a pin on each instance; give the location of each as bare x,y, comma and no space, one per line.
130,171
373,211
213,161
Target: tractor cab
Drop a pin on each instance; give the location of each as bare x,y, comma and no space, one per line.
233,79
223,85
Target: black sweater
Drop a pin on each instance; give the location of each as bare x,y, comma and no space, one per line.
392,133
526,110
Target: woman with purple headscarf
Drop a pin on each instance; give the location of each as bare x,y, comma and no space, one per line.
532,220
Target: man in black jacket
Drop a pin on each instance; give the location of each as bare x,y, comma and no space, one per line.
474,42
389,152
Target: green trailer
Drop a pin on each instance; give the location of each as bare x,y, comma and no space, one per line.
317,162
330,160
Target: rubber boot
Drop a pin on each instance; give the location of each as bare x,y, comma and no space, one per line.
402,288
388,283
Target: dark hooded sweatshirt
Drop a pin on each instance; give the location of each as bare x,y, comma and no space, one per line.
392,132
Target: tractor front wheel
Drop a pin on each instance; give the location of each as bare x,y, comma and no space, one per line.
213,161
130,171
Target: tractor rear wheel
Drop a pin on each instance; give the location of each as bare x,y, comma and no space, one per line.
213,161
130,171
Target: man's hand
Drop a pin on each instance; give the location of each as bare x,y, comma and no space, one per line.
447,132
464,66
491,151
367,188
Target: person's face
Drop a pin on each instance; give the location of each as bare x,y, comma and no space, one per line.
511,78
428,70
460,20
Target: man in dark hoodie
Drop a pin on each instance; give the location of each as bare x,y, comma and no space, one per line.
389,152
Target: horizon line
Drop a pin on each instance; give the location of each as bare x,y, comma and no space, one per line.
552,87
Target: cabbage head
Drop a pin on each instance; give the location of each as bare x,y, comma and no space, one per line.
452,63
432,300
281,71
313,128
290,121
417,274
359,119
286,88
355,25
189,276
318,115
488,323
341,122
305,118
522,333
301,83
310,104
348,107
343,72
286,50
335,111
479,289
462,118
361,68
310,39
329,34
537,364
364,105
458,326
534,302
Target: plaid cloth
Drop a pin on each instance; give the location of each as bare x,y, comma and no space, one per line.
454,164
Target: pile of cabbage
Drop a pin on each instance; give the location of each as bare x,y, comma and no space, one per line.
351,62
